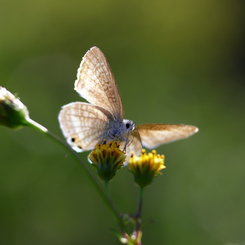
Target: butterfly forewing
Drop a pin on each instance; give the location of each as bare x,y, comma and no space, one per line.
95,83
83,125
153,135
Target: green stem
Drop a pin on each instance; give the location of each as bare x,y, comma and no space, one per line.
120,223
107,189
137,216
139,211
81,163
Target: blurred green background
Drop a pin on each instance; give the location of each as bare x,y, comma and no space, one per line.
174,62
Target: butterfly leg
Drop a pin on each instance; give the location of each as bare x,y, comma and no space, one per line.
127,141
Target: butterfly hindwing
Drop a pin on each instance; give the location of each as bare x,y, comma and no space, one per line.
83,125
134,145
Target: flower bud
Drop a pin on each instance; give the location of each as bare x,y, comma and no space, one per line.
107,159
13,113
145,167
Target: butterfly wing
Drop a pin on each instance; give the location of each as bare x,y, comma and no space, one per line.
95,83
153,135
134,144
83,125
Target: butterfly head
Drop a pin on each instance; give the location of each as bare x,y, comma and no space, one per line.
128,125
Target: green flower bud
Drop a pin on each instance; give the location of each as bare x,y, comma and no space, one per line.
13,113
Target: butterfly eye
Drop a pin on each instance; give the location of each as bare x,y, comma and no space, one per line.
128,125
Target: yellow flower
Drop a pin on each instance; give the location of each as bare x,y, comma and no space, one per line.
13,113
107,158
146,167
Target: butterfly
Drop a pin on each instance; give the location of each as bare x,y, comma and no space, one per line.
86,124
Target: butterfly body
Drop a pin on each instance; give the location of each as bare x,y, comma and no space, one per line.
118,131
86,124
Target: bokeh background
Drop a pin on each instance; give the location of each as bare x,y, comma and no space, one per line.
174,62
